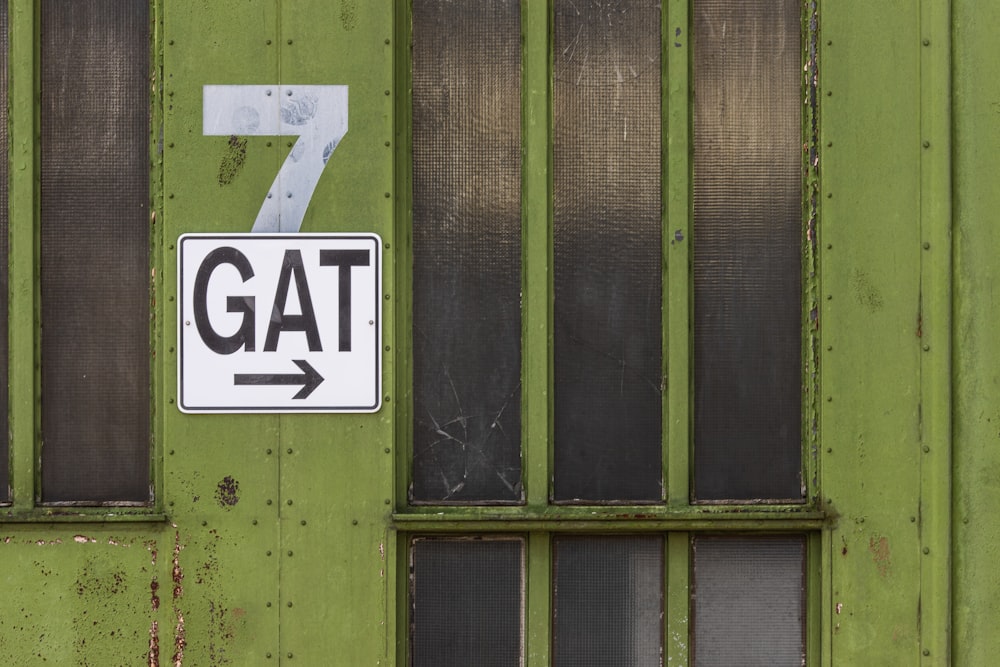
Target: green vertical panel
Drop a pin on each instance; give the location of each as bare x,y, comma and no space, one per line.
220,471
976,594
869,324
336,470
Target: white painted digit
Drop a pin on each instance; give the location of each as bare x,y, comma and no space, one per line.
317,115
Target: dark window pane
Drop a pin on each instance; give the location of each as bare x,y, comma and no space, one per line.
467,597
608,602
4,218
95,250
466,251
607,255
749,601
747,247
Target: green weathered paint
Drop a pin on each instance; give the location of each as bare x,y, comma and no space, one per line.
285,535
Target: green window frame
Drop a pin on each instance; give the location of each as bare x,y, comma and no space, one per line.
678,519
84,249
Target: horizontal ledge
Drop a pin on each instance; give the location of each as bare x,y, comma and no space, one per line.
100,515
560,520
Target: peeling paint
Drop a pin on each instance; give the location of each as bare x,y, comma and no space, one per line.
179,641
153,658
233,161
227,493
879,547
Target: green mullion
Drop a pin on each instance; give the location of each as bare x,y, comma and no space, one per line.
23,302
157,332
538,599
676,248
677,592
814,597
403,344
935,360
536,211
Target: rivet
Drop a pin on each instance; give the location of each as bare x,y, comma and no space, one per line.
171,348
861,519
387,348
268,655
289,144
289,552
289,195
829,144
302,523
927,42
268,605
268,451
927,246
170,196
354,522
289,501
388,501
386,297
387,195
829,450
387,398
204,523
268,93
927,651
268,501
387,93
913,519
289,654
268,553
289,450
829,93
171,452
829,42
268,42
927,348
386,40
927,144
171,503
829,195
289,93
386,246
829,399
170,400
829,348
269,143
829,297
289,41
387,450
387,144
926,550
170,298
171,42
965,520
254,522
289,604
170,145
926,449
829,246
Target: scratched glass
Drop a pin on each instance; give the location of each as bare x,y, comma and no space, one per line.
95,251
4,220
607,257
748,599
466,252
747,249
466,602
608,601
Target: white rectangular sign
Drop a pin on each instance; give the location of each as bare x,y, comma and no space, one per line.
280,322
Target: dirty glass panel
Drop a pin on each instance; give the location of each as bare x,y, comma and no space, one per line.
606,199
95,250
748,600
608,602
4,226
466,251
747,247
466,602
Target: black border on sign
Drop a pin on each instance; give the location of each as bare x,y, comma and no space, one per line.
348,409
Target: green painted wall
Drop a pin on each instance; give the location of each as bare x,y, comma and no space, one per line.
278,544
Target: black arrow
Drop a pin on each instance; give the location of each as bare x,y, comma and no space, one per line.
310,379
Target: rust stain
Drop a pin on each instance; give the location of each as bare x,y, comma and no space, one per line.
879,548
154,598
178,573
227,493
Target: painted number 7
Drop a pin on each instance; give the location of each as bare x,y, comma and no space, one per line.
317,115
